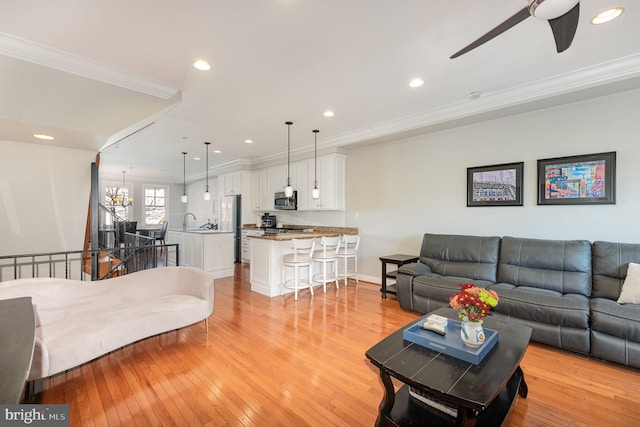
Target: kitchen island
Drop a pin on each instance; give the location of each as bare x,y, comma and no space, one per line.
267,250
209,250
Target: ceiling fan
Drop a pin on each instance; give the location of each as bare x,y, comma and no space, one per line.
562,16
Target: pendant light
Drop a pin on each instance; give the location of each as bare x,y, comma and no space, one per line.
207,195
315,193
288,190
125,196
184,197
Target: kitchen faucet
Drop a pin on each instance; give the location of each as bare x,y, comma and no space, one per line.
184,221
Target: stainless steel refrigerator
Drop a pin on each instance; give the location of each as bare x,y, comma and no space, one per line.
231,220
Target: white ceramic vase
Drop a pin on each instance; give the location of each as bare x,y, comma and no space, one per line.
472,333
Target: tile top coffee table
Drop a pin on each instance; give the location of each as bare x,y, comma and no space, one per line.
463,393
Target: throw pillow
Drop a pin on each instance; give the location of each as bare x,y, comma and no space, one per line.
631,287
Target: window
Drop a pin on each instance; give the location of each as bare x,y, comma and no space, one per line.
113,197
154,205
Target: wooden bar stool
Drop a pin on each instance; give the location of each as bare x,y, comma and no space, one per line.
327,257
300,258
349,250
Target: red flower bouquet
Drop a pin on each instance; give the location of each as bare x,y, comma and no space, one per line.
472,303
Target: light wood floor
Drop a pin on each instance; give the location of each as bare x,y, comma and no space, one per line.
278,362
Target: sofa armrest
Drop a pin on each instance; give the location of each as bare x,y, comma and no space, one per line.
414,269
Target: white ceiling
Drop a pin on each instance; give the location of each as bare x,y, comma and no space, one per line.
116,75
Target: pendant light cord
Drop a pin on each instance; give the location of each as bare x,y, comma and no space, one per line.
125,194
207,171
315,158
184,173
288,152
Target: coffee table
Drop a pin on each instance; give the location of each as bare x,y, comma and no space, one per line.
450,391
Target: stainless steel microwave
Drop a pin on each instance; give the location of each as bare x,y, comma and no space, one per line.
282,202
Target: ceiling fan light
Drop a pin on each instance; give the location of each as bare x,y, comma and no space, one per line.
607,15
551,9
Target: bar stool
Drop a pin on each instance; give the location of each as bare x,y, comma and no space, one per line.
349,250
327,257
300,258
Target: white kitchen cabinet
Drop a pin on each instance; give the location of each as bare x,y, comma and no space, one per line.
211,251
268,188
262,188
331,176
232,183
266,269
246,243
235,183
304,183
255,189
331,173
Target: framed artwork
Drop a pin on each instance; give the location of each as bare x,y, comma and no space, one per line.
577,180
496,185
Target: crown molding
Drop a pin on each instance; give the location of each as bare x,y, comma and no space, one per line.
49,57
534,93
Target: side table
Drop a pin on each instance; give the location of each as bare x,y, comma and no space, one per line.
399,260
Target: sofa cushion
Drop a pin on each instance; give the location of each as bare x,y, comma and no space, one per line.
630,293
542,305
473,257
563,266
618,320
610,262
78,339
441,288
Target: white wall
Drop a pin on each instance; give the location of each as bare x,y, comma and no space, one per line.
398,191
44,197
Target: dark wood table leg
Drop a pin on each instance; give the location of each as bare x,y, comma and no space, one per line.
383,289
523,390
466,417
388,399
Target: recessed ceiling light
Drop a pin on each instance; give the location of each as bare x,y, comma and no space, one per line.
474,95
43,136
202,65
416,82
217,151
607,15
196,158
329,113
248,141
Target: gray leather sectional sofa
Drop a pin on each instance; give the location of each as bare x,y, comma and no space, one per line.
566,290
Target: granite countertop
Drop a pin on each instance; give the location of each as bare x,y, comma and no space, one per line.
199,231
302,232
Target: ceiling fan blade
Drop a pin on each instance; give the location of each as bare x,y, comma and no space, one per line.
511,22
564,28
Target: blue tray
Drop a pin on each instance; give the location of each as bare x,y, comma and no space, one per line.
451,344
